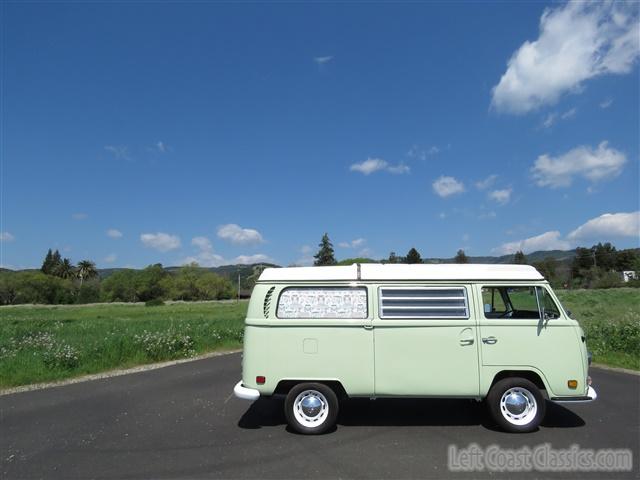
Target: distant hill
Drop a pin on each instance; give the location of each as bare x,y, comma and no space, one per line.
559,255
248,273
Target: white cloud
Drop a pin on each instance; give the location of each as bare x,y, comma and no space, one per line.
249,259
487,215
609,225
238,235
398,169
322,60
606,103
422,153
6,237
114,233
120,152
163,242
546,241
205,257
162,148
79,216
203,243
305,249
371,165
550,120
584,161
112,257
501,196
577,41
487,182
358,242
446,186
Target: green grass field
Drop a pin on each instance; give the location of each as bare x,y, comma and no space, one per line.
48,343
611,321
54,342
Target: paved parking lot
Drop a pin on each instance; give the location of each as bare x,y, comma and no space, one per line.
183,422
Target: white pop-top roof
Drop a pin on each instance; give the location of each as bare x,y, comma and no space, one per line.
391,271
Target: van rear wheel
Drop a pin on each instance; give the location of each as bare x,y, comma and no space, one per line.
516,405
311,408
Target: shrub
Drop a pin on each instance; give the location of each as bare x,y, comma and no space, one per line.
155,302
89,293
620,336
608,280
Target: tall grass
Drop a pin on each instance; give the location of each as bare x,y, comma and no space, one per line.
611,321
51,343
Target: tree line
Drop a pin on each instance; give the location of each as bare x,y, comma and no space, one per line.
599,266
59,281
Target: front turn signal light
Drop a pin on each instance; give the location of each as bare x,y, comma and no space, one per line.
572,384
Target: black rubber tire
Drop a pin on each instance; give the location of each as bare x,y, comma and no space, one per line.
332,415
493,404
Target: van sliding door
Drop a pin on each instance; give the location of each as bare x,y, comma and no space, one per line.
425,341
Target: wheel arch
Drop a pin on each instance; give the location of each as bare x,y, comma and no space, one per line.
283,386
531,375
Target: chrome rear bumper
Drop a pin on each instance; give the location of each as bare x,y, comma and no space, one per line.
245,393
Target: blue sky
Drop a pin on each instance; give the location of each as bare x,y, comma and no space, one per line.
135,133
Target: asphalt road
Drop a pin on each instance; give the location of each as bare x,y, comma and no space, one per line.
182,422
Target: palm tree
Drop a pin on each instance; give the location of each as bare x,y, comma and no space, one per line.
65,269
86,269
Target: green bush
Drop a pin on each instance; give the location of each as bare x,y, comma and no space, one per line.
156,302
608,280
89,293
609,337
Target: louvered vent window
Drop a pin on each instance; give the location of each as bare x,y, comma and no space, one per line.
325,302
421,302
267,302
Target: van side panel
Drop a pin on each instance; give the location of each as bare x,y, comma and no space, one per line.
550,348
305,349
256,358
340,353
427,356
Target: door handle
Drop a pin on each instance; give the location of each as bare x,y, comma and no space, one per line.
466,341
368,327
489,340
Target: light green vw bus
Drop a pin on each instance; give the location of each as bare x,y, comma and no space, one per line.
489,332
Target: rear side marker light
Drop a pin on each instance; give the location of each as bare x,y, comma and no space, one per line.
260,380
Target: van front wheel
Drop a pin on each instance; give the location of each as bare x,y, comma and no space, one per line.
311,408
516,404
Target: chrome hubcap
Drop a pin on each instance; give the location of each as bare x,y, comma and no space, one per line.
516,403
518,406
310,408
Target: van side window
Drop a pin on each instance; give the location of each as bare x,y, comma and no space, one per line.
323,302
510,302
423,302
549,308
